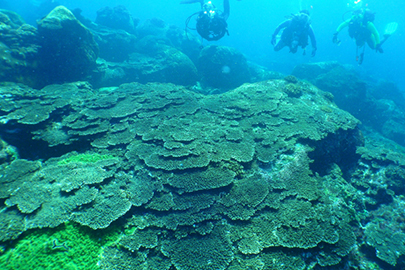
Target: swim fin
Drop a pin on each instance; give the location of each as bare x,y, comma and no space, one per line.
389,30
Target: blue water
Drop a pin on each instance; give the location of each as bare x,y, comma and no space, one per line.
252,22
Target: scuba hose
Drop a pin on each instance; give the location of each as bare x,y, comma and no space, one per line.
344,14
188,21
189,28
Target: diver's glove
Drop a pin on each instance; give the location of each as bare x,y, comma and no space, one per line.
273,40
379,49
313,52
335,38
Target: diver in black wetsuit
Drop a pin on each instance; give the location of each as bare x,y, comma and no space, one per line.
211,22
295,33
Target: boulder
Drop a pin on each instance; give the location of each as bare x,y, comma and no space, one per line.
69,51
348,89
259,73
388,90
154,27
117,18
223,67
115,45
394,130
310,71
171,35
189,44
166,64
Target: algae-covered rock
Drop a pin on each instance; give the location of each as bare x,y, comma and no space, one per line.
313,70
223,67
166,65
171,35
115,45
19,45
68,50
346,86
377,105
117,18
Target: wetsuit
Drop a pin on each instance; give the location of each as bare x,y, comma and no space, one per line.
211,23
361,31
295,34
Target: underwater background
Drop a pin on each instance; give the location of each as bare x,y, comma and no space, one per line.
128,143
252,23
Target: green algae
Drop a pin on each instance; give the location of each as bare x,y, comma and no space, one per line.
69,246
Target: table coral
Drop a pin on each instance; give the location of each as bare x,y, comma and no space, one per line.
235,173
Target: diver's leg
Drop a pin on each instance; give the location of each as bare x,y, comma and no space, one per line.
362,55
371,42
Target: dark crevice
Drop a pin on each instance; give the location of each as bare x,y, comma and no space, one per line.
336,148
20,137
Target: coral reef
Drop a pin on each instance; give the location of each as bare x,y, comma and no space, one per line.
151,175
232,171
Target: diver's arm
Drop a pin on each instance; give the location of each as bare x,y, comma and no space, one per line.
374,32
227,9
281,26
340,27
343,25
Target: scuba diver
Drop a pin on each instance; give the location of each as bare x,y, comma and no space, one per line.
296,31
211,22
362,29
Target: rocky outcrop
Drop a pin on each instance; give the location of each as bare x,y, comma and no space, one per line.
19,45
378,105
68,49
171,35
166,64
115,45
311,71
223,67
117,18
